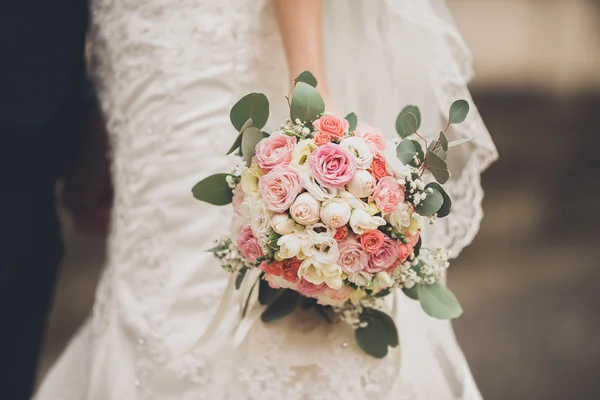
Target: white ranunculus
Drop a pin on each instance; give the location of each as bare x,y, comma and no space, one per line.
320,246
361,278
317,273
302,152
260,217
400,217
359,150
382,281
360,221
305,209
335,213
395,166
308,182
289,246
353,201
362,184
283,224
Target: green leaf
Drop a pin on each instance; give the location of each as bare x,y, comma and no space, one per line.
266,294
253,106
438,151
307,104
458,111
439,302
443,141
438,167
379,333
406,151
420,154
240,278
250,138
382,293
307,303
458,142
408,121
238,140
352,121
282,306
307,78
215,249
412,292
445,208
431,204
213,190
417,250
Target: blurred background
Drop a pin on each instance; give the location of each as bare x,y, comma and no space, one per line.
529,282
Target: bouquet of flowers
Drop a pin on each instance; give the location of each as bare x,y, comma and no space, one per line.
329,214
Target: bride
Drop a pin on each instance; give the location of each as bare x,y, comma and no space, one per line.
167,73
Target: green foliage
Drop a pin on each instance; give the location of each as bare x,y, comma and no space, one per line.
443,141
283,305
307,104
408,121
447,205
240,278
439,302
213,190
379,333
307,78
438,167
215,249
352,121
250,138
238,140
458,111
253,106
266,294
412,292
406,151
420,154
431,204
438,150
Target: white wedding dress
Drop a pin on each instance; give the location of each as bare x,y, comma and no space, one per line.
167,73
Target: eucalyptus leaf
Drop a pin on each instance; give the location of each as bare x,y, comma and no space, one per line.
408,121
411,293
458,111
420,154
238,140
307,104
213,190
444,210
215,249
431,204
406,151
439,302
266,294
352,121
417,250
379,333
458,142
253,106
250,138
438,167
307,78
443,141
282,306
439,151
240,278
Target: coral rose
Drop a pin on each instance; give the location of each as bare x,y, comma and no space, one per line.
371,240
378,168
322,138
341,233
335,127
404,251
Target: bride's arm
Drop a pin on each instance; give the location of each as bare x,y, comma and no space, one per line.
301,29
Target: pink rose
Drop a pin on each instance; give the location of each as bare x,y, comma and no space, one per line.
310,289
341,233
352,257
279,188
275,151
373,137
404,251
378,168
387,195
371,240
385,257
248,245
332,125
332,166
238,199
322,138
412,239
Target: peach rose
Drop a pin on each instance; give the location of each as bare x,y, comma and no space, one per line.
275,151
341,233
248,245
384,257
373,137
412,239
332,125
371,240
404,251
322,138
387,195
377,168
279,188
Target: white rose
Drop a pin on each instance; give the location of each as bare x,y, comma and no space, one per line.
289,246
400,217
335,213
360,221
260,217
305,209
353,201
359,150
282,224
395,166
302,151
308,182
362,184
361,278
322,247
318,273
